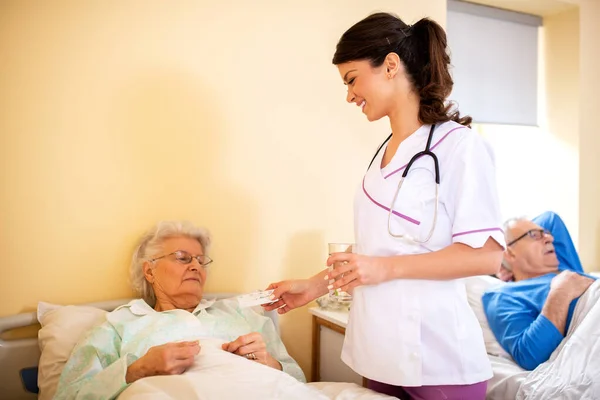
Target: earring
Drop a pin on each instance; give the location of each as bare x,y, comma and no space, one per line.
389,76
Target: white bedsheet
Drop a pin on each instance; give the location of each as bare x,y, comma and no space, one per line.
347,391
573,370
219,375
507,379
570,371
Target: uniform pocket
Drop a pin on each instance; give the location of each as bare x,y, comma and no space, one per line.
415,204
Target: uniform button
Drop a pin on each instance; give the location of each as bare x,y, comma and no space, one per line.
415,355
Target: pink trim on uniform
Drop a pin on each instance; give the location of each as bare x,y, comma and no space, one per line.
477,231
432,147
409,219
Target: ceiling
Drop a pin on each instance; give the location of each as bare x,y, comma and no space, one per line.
542,8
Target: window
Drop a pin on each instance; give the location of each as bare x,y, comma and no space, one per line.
494,54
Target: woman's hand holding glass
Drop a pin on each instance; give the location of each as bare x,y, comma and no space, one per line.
354,270
351,270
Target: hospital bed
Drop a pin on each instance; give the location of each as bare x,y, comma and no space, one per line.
19,358
22,365
508,377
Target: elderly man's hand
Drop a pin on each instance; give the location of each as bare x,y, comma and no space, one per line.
253,347
505,274
571,283
166,359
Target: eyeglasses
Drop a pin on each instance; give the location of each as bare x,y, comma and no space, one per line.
185,258
535,234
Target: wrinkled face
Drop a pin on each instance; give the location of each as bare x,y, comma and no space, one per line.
179,281
533,254
378,91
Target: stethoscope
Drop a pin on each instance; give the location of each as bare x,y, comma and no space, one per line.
426,152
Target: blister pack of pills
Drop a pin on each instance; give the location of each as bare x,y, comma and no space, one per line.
256,298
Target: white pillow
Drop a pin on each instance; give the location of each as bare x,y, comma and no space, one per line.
476,286
62,328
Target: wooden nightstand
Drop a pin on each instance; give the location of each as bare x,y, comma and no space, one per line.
329,328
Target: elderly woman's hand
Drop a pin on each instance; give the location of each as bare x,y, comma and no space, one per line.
253,347
166,359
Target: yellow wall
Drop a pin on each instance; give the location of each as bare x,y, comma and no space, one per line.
589,137
561,116
114,115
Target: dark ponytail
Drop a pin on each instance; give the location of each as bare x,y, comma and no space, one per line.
435,83
422,48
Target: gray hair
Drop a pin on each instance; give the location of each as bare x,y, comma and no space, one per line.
150,246
508,224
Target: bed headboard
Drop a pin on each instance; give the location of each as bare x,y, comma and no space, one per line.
19,357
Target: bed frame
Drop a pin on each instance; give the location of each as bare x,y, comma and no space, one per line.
19,357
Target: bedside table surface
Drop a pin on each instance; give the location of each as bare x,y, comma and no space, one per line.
335,317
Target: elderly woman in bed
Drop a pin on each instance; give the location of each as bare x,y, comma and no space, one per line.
163,332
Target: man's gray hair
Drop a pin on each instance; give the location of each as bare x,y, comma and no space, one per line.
508,224
150,246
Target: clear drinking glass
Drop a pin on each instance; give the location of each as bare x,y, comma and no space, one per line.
338,296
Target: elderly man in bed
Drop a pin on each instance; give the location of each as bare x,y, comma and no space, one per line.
162,333
530,315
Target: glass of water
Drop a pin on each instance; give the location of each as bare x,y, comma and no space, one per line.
338,296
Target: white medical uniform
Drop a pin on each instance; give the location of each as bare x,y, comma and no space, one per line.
423,332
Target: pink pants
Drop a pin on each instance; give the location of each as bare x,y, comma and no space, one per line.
475,391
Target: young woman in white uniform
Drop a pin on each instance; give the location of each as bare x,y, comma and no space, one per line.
411,331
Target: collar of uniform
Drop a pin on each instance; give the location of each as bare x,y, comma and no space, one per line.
140,307
413,139
417,135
